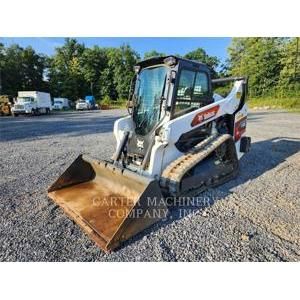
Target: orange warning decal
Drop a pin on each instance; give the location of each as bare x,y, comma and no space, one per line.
205,115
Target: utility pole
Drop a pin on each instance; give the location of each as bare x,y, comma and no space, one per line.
91,87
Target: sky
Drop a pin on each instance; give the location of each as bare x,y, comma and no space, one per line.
213,46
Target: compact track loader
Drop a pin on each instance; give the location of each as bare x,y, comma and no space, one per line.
178,139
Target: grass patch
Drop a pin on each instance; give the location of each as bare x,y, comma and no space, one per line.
118,104
292,103
108,103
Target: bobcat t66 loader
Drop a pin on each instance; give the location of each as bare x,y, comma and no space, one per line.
177,140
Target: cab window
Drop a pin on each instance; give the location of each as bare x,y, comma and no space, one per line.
192,89
201,86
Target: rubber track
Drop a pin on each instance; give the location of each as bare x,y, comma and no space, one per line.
173,174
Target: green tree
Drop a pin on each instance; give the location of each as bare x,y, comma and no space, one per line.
75,71
200,55
153,53
258,58
21,69
33,70
65,74
125,70
94,62
116,77
2,58
290,73
106,84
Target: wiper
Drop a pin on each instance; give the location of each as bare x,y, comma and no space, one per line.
164,87
135,96
144,121
162,98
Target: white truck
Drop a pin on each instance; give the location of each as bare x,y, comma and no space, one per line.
32,102
61,103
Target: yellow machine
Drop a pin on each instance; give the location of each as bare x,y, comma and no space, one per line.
6,103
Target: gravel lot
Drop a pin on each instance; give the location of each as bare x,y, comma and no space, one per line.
253,218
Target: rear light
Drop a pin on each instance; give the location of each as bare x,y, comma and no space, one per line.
240,128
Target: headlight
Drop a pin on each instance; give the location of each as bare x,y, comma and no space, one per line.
170,61
136,69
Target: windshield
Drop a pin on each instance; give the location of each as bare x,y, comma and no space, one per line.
147,97
82,101
25,99
58,102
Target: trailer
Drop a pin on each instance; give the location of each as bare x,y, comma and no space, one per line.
32,103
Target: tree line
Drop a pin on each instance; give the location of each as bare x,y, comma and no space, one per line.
272,64
75,70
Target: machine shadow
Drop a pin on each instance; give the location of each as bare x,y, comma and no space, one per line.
263,156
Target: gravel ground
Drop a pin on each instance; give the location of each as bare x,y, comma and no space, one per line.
253,218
